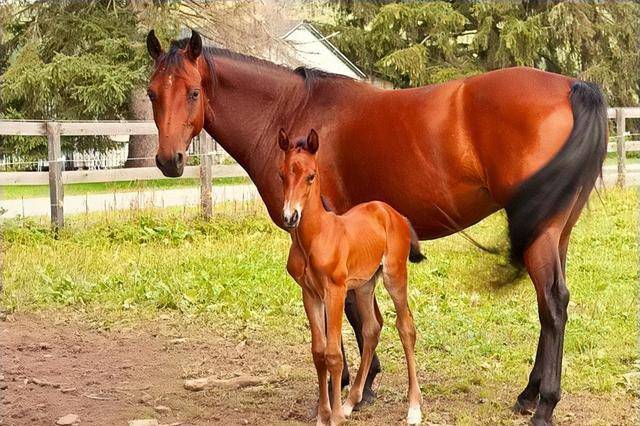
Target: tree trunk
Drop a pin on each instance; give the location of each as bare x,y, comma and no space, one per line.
142,148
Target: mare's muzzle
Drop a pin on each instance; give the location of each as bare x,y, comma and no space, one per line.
172,167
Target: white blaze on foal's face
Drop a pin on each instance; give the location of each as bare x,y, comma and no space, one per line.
298,175
298,172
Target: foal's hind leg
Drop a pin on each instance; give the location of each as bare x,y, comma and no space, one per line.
371,335
395,281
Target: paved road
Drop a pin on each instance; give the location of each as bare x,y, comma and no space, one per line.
75,204
186,196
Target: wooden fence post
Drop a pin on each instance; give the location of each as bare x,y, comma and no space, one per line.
620,147
206,186
56,190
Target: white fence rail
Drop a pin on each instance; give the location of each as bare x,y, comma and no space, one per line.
56,177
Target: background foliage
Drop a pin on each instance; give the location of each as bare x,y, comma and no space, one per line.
73,60
417,43
83,60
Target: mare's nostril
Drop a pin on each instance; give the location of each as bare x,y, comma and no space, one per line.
179,159
294,217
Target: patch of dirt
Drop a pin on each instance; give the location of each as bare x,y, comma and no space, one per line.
55,366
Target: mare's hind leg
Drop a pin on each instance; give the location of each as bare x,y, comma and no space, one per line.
395,281
545,260
371,335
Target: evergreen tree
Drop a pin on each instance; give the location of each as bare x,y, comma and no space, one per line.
72,60
416,43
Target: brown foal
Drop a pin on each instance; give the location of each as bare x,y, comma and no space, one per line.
331,254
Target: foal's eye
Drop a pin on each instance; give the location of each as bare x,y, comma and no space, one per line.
194,95
151,95
311,177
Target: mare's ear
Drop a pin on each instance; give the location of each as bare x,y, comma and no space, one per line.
194,48
283,140
153,45
312,142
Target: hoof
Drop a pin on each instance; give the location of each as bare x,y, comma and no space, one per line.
338,420
525,407
368,397
536,421
347,408
414,416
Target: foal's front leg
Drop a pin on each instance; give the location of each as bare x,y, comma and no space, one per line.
334,301
314,308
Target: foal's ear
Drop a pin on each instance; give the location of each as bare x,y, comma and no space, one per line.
283,140
312,142
194,48
153,45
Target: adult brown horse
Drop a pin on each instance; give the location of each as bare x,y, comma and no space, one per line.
445,156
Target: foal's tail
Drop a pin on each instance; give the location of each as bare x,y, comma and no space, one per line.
573,171
415,255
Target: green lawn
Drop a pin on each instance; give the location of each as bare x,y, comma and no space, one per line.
231,272
11,192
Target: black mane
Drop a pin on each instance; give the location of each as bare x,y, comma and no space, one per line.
171,59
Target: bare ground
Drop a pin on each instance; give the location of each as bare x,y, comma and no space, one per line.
110,377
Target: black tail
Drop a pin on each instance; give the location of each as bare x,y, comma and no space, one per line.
415,255
572,171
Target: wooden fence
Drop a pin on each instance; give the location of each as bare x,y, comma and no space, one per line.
56,177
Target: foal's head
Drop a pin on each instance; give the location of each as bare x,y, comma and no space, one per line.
298,172
178,97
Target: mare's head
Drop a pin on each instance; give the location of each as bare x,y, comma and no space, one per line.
298,172
177,94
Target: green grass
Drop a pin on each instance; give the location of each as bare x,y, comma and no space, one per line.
12,192
231,272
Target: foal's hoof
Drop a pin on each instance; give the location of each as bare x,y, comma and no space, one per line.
368,396
414,416
525,407
338,420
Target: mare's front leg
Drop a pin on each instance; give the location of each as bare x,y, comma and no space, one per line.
335,294
351,310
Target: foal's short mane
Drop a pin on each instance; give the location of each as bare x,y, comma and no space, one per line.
172,60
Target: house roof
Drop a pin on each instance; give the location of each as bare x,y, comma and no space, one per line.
308,47
307,26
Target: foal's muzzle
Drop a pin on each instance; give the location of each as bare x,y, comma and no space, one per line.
291,220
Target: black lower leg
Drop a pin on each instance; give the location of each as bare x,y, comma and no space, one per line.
528,398
553,298
368,395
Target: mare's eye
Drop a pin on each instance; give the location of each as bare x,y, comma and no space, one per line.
194,94
151,95
311,177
